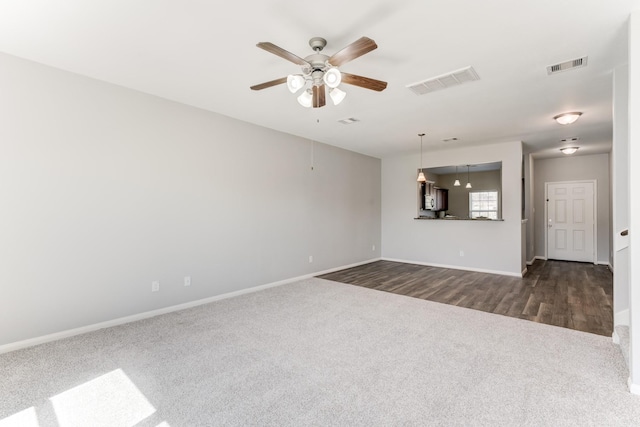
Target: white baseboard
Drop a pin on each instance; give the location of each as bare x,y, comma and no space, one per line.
543,258
140,316
524,271
621,318
455,267
615,338
531,261
607,263
633,388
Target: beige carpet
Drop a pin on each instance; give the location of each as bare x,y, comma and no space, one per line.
325,354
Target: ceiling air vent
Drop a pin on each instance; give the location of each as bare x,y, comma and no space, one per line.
567,65
453,78
348,121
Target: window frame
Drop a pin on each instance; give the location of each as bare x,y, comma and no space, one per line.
484,213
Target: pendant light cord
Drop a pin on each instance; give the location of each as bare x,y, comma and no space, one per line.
421,135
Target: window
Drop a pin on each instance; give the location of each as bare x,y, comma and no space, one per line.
483,204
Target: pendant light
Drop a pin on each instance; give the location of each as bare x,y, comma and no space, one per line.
456,183
421,177
468,181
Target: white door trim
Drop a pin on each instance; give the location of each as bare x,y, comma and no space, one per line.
595,214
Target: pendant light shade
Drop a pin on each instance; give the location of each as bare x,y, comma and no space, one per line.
421,177
468,181
456,183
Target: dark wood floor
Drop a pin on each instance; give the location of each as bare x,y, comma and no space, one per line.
573,295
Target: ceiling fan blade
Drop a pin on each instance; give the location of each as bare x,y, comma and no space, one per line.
269,84
365,82
318,96
276,50
354,50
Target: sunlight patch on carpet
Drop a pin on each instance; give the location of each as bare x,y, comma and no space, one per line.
109,400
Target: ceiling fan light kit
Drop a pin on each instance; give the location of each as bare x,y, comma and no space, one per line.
332,78
306,98
337,95
321,70
295,82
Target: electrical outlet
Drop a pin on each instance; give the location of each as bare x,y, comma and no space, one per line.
155,286
187,280
461,253
310,258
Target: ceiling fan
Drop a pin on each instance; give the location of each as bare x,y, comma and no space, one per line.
320,70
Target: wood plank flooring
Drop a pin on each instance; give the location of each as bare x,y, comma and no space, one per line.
572,295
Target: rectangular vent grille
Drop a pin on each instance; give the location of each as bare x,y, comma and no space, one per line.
444,81
348,121
567,65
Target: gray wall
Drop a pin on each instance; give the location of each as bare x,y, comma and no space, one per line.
493,246
574,168
105,189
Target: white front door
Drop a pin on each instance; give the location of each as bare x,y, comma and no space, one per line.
570,221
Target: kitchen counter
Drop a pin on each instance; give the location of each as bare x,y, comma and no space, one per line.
455,218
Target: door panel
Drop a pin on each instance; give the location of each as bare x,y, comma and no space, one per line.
570,221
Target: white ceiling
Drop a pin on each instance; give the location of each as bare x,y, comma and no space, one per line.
203,53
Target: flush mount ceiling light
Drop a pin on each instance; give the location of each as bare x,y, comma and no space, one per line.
567,118
320,72
421,177
569,150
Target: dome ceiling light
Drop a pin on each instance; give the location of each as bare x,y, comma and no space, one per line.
567,118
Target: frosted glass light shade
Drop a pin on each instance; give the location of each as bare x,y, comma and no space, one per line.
567,118
456,183
294,82
421,177
468,185
569,150
305,99
332,77
337,95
